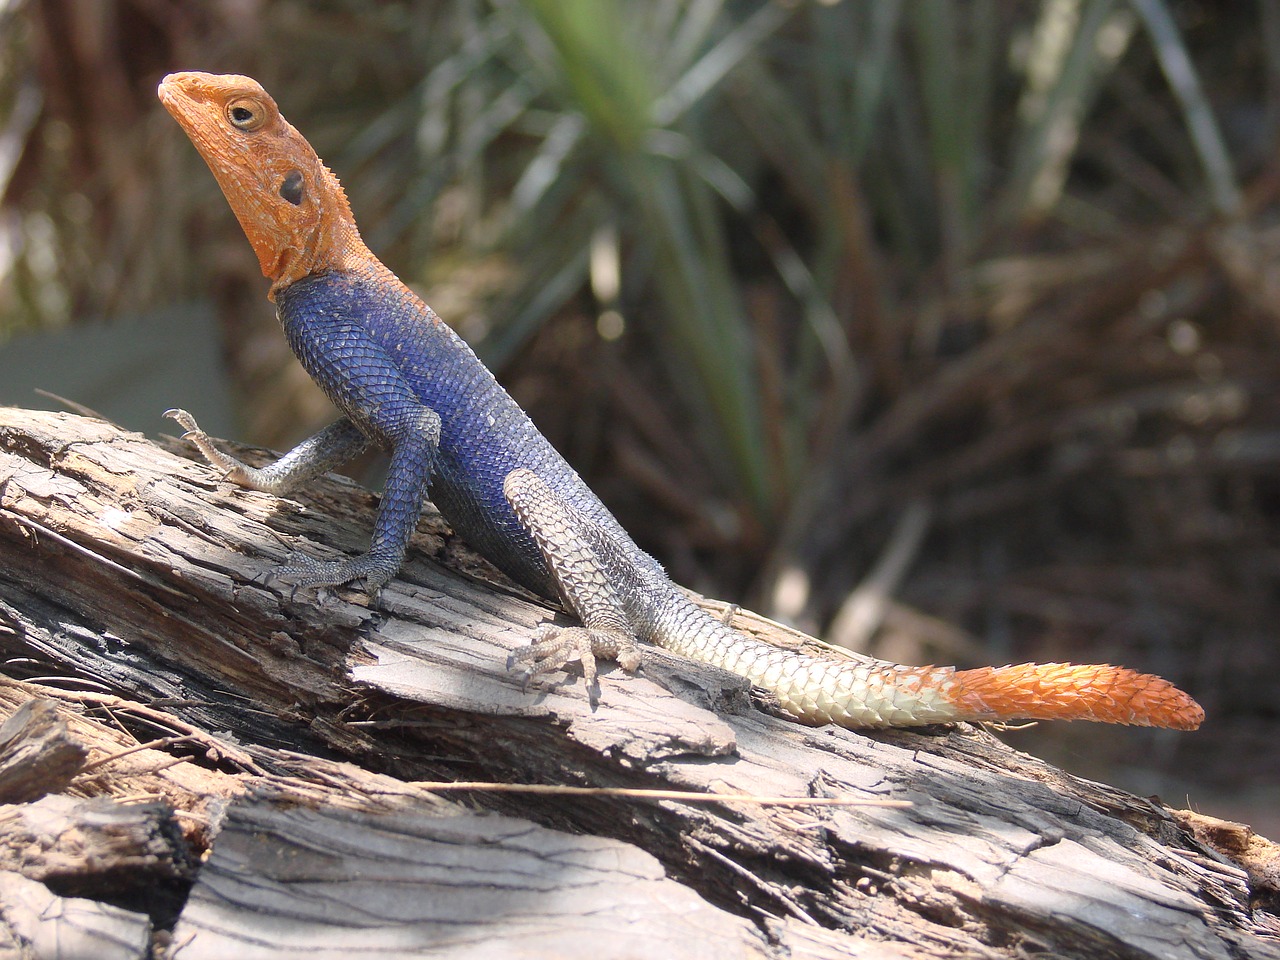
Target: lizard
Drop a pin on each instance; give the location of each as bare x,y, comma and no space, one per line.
405,381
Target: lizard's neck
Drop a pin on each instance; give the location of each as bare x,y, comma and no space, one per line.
329,241
332,244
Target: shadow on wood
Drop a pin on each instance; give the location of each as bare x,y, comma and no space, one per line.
269,743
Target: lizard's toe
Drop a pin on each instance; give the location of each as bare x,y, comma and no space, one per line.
554,647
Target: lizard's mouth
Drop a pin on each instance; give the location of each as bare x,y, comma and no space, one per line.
171,96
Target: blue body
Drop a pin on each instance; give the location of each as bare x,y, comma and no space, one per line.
382,355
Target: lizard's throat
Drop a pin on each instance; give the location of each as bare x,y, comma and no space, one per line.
285,268
284,260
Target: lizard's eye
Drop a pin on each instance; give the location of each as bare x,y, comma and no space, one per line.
246,115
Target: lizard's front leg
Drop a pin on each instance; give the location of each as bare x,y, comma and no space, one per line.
563,537
327,450
399,419
413,431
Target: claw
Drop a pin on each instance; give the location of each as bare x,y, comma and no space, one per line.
184,420
554,647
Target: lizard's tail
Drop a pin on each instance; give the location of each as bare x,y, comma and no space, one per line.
1066,691
588,560
891,695
854,693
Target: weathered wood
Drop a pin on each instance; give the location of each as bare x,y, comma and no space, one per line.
1257,856
334,861
295,882
111,729
92,846
40,925
37,755
121,564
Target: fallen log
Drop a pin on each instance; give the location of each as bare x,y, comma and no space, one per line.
131,575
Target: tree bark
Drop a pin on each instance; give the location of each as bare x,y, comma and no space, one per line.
285,734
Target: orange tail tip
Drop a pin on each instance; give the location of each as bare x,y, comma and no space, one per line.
1065,691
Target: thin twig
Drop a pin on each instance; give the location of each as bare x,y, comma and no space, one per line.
149,745
687,796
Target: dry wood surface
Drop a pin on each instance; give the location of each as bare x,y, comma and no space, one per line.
236,769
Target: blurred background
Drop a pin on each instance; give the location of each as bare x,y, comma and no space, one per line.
946,330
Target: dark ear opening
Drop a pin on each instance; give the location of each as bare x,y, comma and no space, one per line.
291,187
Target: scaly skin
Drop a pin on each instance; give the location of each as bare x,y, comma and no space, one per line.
404,380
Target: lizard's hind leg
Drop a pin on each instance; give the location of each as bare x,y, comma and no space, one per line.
557,528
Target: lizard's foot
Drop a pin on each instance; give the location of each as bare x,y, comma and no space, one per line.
553,647
371,569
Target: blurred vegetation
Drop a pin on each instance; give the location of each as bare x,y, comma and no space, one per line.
945,329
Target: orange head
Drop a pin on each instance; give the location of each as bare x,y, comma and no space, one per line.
292,209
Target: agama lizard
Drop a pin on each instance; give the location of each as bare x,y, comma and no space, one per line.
405,381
